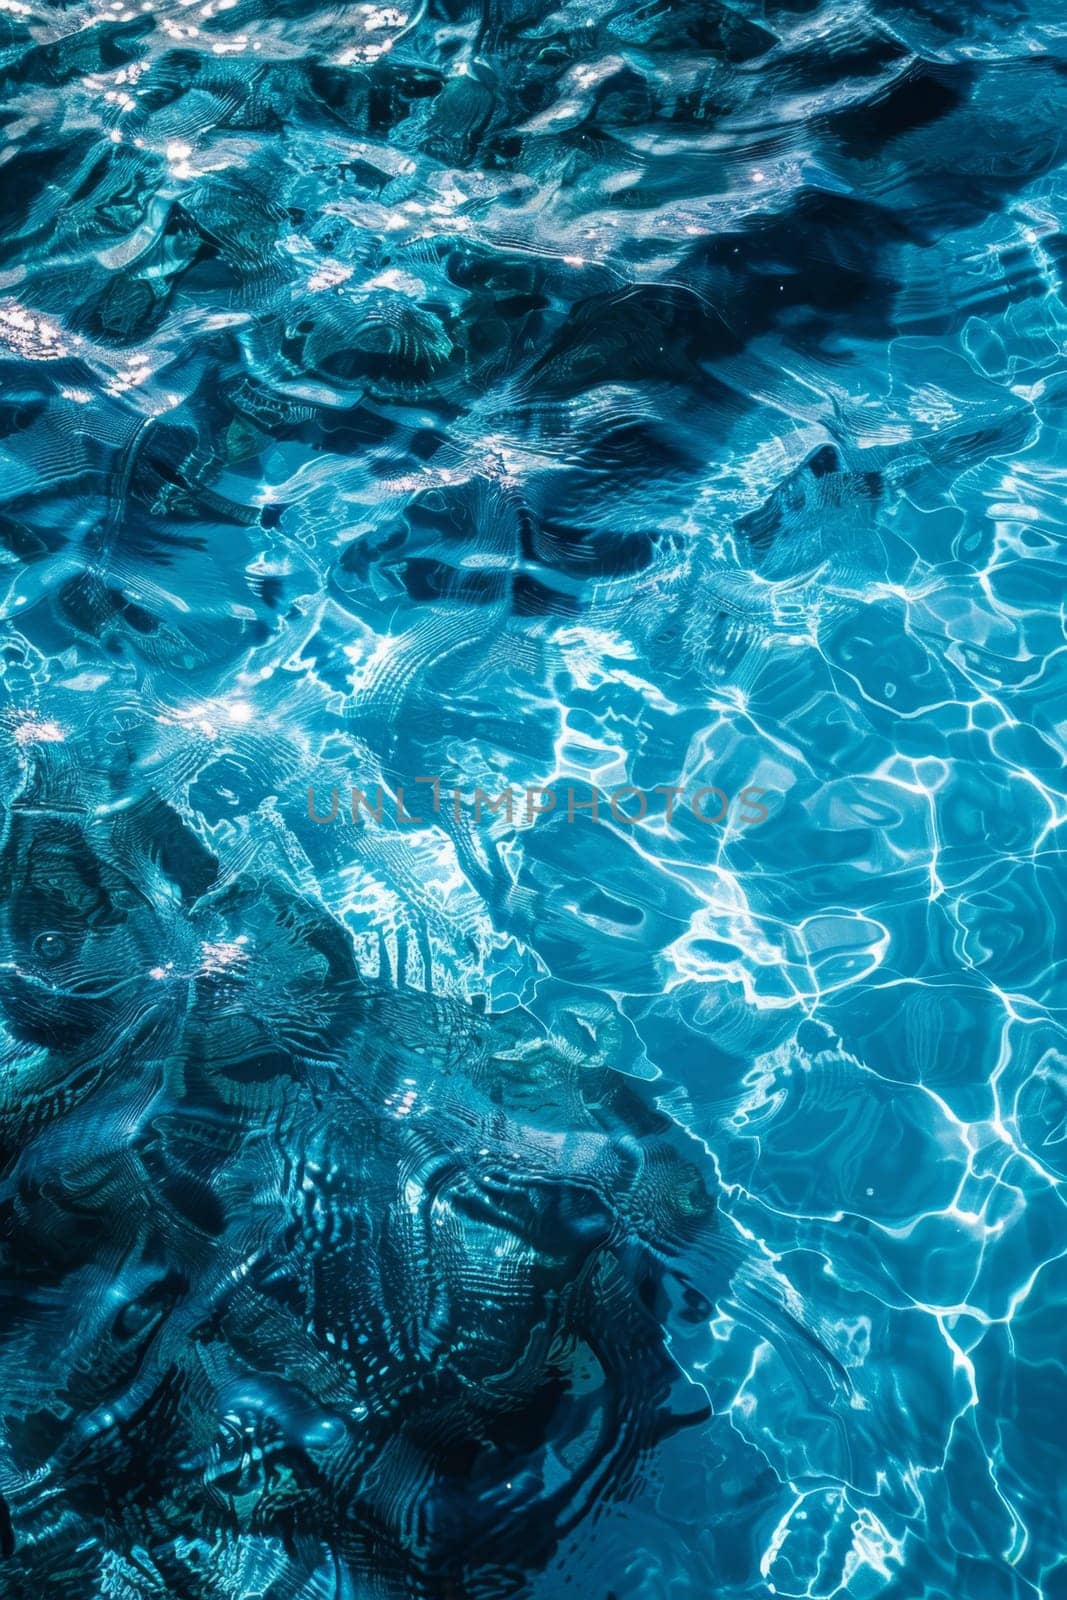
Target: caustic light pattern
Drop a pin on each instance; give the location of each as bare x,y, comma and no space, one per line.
591,397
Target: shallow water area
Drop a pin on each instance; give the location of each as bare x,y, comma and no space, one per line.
451,1198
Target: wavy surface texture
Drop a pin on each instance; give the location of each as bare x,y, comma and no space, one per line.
531,762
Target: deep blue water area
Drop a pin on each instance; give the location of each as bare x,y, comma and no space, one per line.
532,784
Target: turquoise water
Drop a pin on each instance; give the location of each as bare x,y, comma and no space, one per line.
659,403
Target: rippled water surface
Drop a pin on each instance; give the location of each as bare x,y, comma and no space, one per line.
667,396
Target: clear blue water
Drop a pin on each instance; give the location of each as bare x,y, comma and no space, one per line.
668,396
